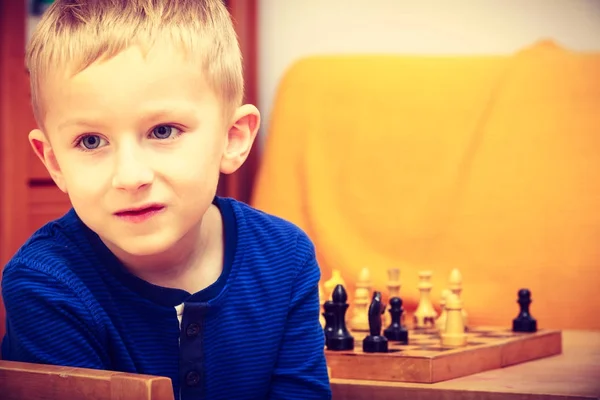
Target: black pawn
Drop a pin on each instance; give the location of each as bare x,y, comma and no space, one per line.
396,332
329,316
375,343
524,321
339,337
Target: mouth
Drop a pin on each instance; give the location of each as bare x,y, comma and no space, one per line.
140,213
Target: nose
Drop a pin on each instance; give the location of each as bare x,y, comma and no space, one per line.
132,171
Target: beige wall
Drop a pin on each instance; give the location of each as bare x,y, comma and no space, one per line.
289,30
512,197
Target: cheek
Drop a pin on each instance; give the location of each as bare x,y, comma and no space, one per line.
85,179
192,174
195,160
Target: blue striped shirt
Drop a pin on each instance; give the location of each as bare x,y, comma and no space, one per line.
253,334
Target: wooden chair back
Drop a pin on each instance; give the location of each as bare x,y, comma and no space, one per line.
20,381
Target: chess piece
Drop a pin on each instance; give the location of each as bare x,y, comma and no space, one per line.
393,286
424,316
375,343
336,279
396,332
360,322
440,323
329,316
394,282
339,338
454,334
524,321
455,286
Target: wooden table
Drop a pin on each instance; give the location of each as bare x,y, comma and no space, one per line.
575,374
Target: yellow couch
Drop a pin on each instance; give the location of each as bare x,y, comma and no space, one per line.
488,164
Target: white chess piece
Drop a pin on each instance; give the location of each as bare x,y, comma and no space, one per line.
455,286
454,334
336,278
394,282
424,316
393,286
440,323
360,318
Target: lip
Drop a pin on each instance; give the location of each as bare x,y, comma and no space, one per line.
140,213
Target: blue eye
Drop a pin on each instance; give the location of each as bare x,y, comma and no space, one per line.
164,131
90,142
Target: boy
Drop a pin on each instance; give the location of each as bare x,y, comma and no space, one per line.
139,108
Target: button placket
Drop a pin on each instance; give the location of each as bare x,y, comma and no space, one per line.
192,330
191,351
192,378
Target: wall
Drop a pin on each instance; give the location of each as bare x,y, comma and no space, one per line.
521,212
289,30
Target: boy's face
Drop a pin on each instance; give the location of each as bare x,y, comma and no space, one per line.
142,133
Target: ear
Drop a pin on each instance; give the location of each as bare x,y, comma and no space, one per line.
42,148
240,137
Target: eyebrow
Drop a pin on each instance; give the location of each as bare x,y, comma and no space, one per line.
149,117
88,123
162,114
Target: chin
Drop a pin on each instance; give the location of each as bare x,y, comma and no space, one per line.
143,247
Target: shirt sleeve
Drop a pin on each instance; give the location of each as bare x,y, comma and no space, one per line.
47,323
301,370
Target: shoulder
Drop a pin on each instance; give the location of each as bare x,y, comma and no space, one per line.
53,268
54,251
272,245
271,231
261,221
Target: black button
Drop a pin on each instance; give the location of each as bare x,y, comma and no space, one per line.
192,330
192,378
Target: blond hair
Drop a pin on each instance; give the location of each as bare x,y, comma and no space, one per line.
73,34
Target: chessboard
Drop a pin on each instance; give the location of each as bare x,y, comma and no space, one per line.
440,346
424,360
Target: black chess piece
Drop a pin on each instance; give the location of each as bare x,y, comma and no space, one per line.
375,343
339,338
329,316
396,332
524,321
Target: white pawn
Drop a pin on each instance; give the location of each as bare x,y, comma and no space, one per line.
440,323
393,286
360,318
336,279
455,286
424,316
394,282
454,334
